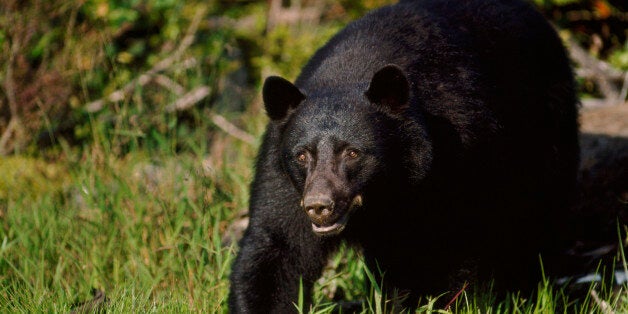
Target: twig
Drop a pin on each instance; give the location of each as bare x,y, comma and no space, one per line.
162,65
196,95
602,72
604,307
189,99
15,125
6,135
591,65
232,130
168,83
9,86
464,287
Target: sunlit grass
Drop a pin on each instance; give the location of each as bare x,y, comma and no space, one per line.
146,227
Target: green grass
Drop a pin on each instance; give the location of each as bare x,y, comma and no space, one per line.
146,228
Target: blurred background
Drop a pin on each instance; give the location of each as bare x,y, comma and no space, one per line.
130,63
128,131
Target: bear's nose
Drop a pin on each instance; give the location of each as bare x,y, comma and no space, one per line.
318,208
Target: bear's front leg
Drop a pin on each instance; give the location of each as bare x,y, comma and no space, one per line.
268,272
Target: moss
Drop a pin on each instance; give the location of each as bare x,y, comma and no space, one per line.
30,177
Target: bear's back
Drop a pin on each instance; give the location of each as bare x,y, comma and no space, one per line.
490,47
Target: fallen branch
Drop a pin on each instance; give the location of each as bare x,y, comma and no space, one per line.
232,130
604,74
168,83
9,86
188,100
14,127
590,65
146,77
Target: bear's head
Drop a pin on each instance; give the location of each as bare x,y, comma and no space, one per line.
342,145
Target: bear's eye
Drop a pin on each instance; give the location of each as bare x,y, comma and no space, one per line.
352,153
302,157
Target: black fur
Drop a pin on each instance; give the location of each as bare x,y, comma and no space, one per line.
462,148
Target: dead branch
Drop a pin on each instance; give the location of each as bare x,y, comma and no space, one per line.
146,77
232,130
15,126
604,75
168,83
188,100
9,86
6,135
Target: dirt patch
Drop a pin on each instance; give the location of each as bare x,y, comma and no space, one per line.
612,120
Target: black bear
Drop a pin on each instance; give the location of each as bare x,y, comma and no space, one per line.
432,134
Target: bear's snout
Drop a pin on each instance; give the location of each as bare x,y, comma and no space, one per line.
319,208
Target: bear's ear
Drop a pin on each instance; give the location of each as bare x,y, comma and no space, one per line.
389,88
279,95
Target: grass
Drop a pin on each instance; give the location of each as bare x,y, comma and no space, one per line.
146,227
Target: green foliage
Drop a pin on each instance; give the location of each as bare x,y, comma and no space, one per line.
619,58
288,49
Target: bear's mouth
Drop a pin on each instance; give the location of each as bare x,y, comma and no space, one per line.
341,223
334,229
